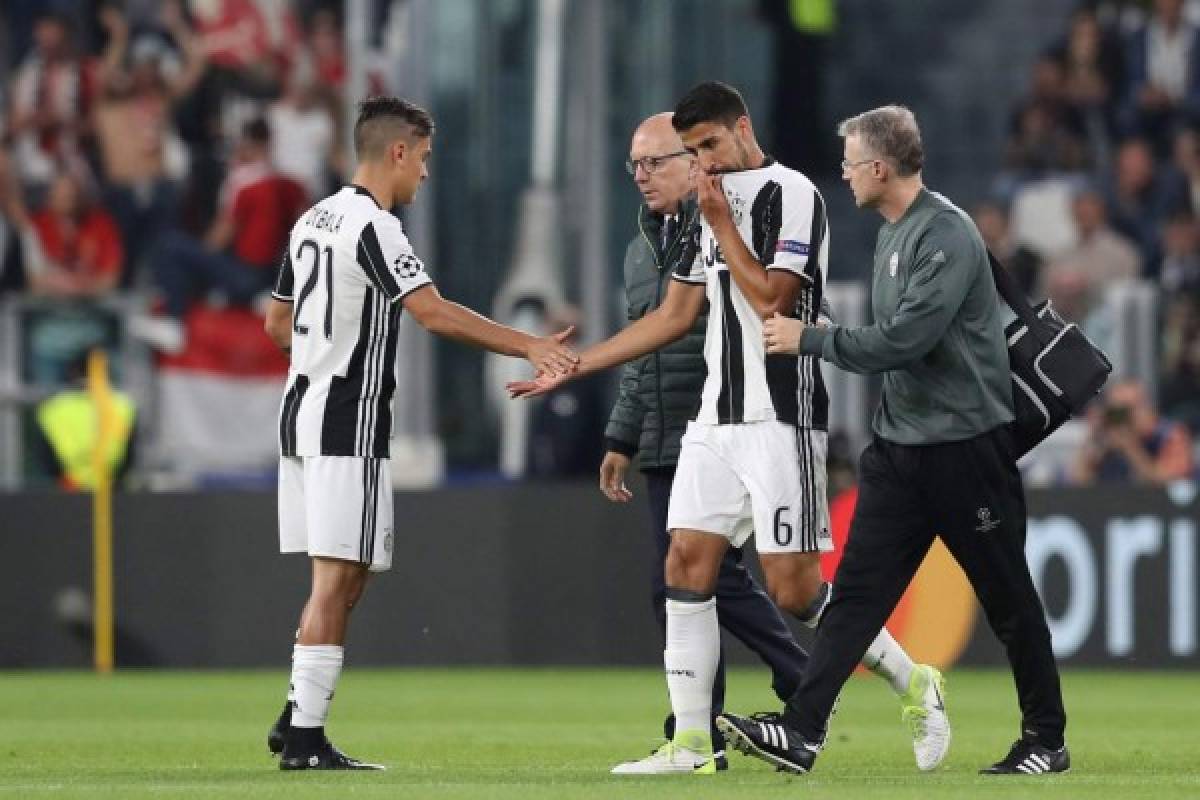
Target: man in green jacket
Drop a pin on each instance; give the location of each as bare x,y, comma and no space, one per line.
660,392
942,460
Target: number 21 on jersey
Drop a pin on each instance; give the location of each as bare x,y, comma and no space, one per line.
322,266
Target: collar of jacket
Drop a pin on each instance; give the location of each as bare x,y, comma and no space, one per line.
650,224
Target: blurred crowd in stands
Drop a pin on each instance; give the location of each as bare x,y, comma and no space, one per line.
1101,187
161,150
157,143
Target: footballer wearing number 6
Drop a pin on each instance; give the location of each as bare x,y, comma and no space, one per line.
753,459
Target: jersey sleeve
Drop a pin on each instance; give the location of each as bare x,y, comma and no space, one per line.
285,280
690,267
801,232
388,260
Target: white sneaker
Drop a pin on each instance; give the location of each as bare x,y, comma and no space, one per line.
925,712
670,759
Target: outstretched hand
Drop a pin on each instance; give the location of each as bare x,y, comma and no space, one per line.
550,354
542,383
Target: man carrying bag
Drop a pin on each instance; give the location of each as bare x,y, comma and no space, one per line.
943,458
1056,371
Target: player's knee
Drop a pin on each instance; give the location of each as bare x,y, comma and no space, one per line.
788,597
793,585
684,570
356,593
339,587
675,570
330,599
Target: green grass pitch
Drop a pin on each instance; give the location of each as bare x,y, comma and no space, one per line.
459,733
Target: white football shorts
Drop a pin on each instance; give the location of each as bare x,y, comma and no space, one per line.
337,507
765,478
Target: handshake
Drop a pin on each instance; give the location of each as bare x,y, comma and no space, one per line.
555,362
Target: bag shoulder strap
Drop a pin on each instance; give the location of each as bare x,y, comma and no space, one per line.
1012,294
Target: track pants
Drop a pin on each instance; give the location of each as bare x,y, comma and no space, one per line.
970,494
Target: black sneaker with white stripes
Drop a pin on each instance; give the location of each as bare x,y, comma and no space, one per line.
1029,758
766,737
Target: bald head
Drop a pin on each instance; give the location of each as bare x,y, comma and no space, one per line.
658,127
662,168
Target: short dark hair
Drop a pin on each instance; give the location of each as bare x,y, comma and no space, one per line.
711,101
890,133
381,120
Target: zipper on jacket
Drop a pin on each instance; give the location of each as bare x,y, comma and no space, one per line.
662,425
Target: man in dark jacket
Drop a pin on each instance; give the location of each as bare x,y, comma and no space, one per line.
660,392
942,462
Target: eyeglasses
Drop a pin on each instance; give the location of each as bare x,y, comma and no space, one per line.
651,164
849,165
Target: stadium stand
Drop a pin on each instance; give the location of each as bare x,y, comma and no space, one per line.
137,169
121,124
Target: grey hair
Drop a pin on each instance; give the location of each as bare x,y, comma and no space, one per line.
891,133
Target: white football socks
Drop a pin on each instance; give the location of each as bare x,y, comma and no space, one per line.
291,692
887,659
691,656
315,670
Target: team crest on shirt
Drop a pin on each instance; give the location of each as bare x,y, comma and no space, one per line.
407,266
737,206
893,264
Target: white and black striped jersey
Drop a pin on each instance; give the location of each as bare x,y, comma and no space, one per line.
781,217
347,266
